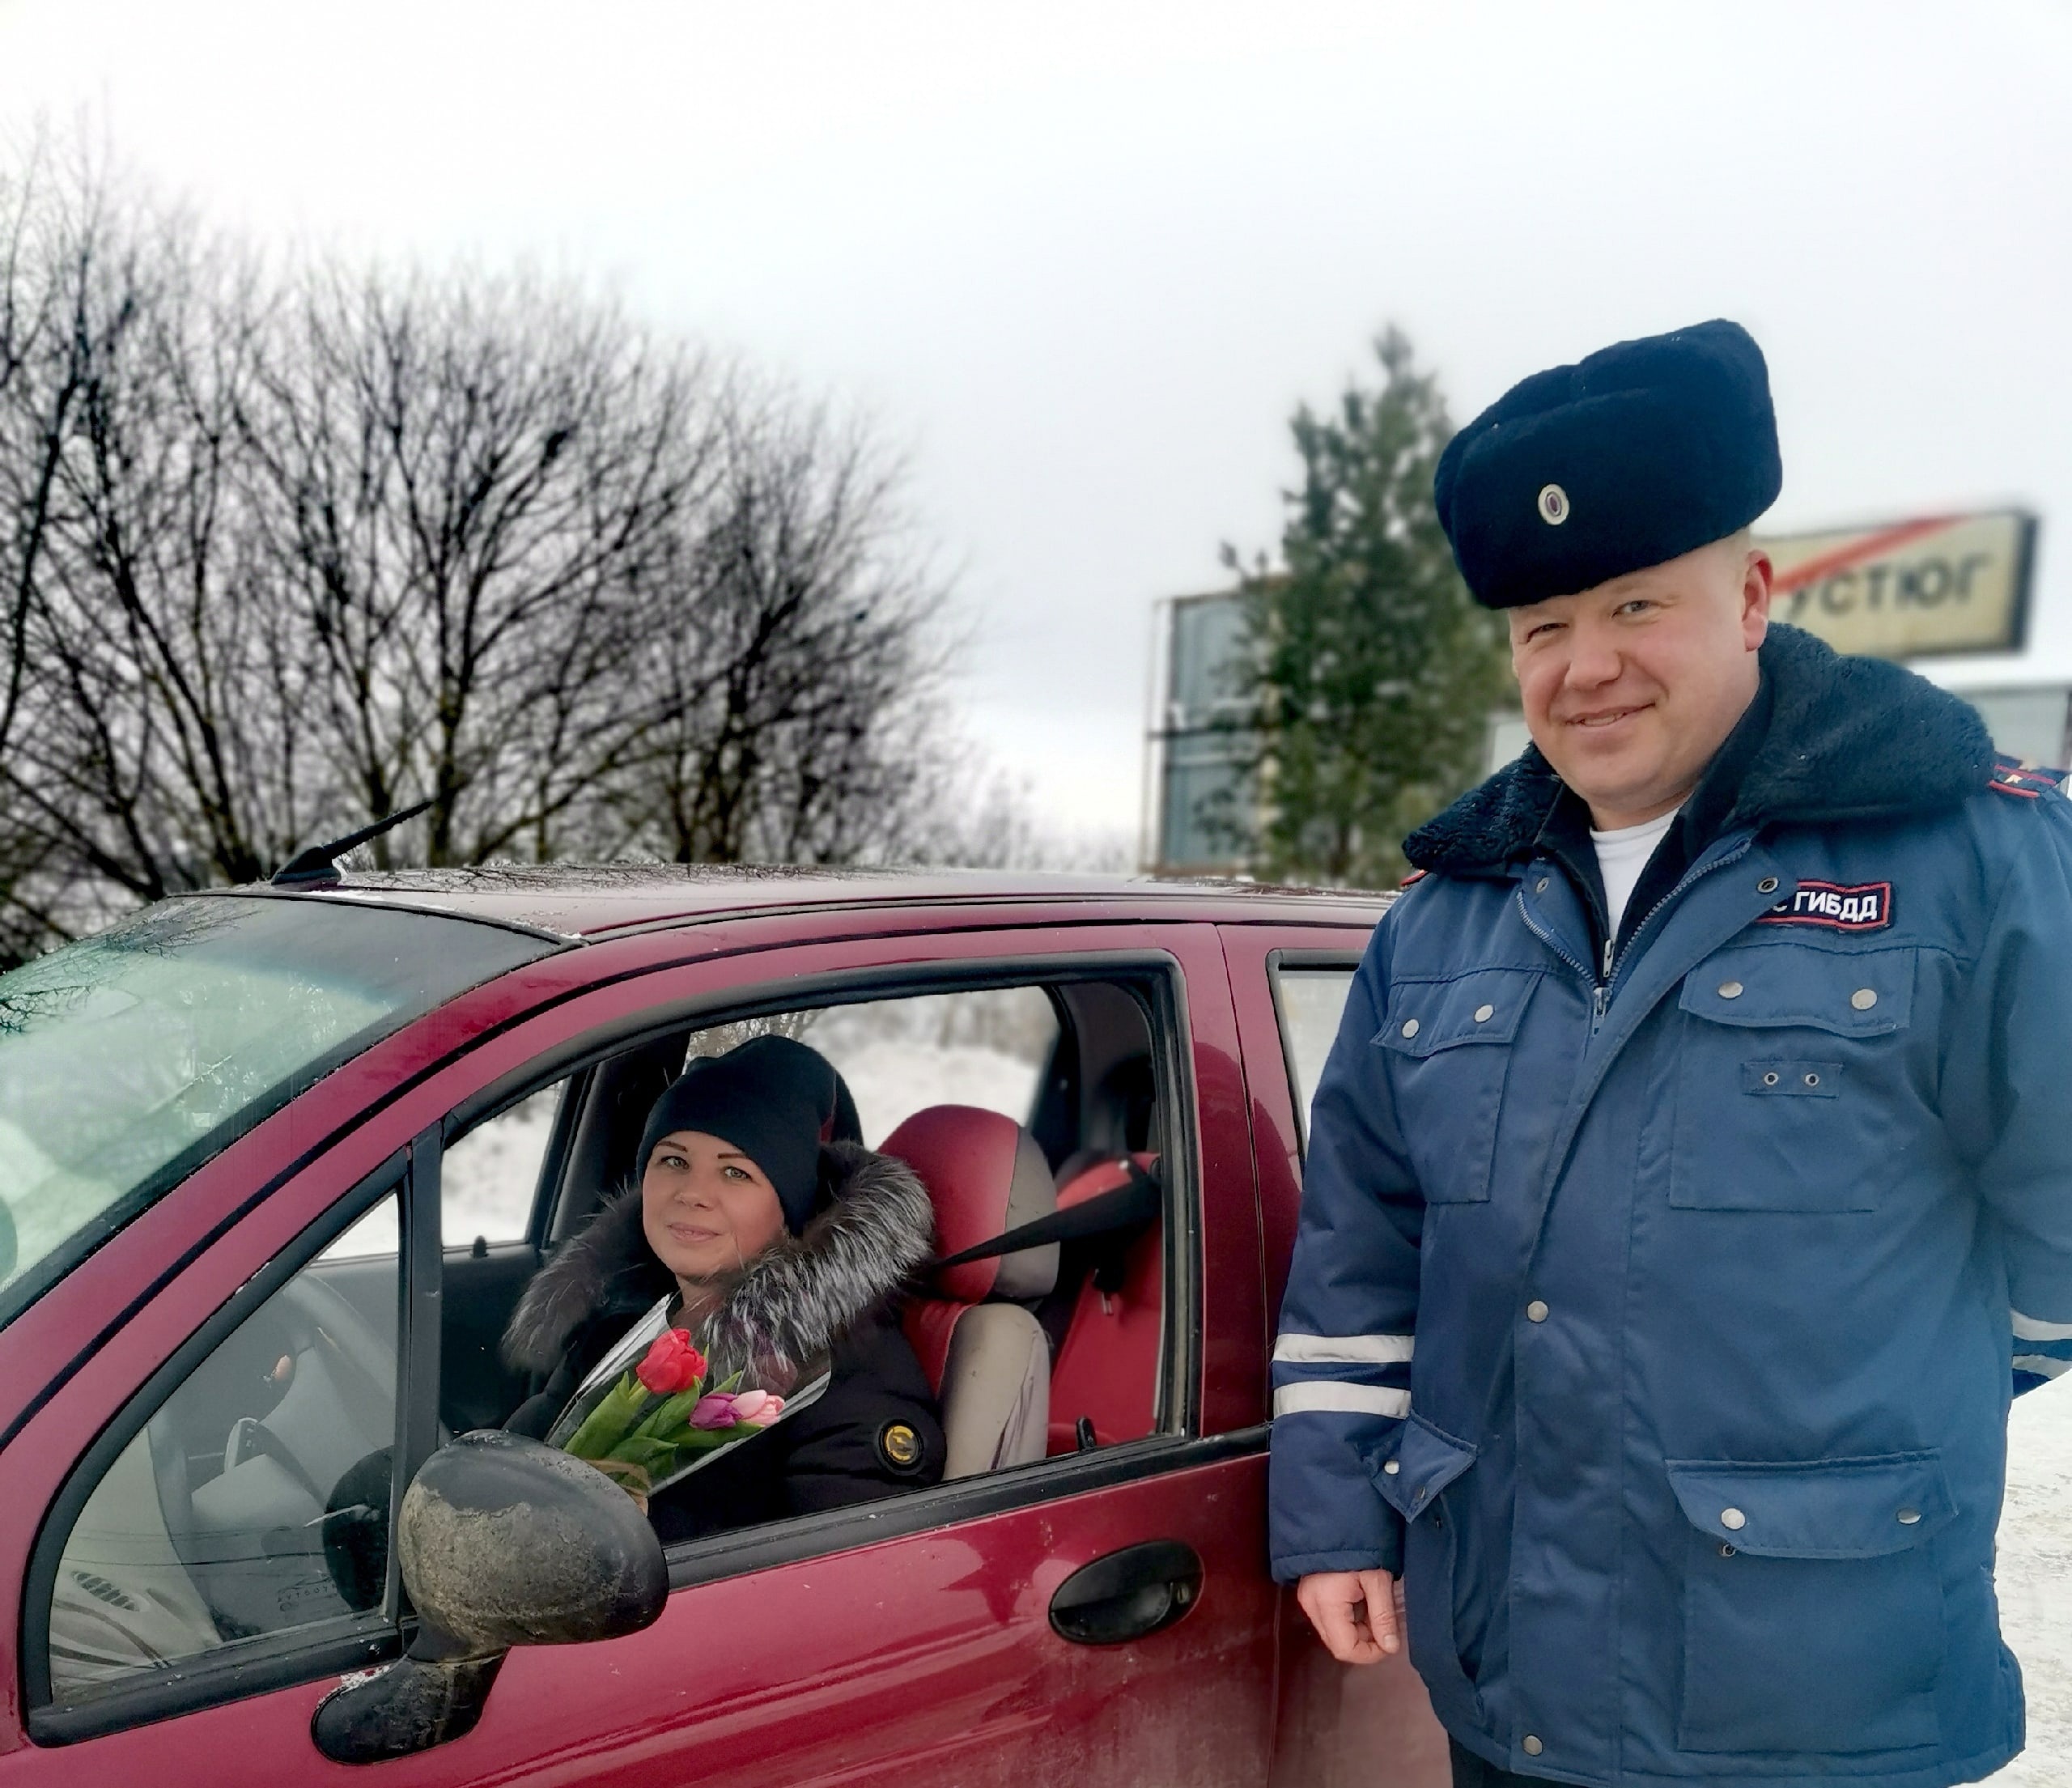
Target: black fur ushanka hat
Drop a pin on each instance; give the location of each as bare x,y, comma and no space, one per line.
1643,451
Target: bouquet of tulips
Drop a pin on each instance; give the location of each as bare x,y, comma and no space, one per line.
650,1423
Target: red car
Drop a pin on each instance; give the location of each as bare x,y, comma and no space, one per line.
275,1164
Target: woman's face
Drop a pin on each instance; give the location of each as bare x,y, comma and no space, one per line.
705,1207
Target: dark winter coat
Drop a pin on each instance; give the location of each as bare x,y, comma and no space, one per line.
832,1289
1650,1310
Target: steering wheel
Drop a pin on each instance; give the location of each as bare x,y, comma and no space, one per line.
305,1319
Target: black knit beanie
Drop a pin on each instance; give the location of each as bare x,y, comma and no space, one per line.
775,1100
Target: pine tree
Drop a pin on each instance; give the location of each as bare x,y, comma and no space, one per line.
1368,674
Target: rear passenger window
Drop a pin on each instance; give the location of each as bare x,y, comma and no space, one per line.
1311,1000
986,1048
490,1176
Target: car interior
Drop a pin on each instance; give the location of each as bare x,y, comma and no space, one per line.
224,1518
1089,1316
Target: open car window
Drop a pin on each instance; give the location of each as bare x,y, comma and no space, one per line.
945,1078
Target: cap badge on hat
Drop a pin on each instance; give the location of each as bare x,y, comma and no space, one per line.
1553,505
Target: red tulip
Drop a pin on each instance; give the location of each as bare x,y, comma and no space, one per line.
672,1364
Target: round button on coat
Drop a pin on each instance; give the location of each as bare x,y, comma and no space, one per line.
1768,884
1536,1311
1410,1027
1483,1014
1531,1746
1864,998
1908,1516
1730,990
1392,1466
1733,1519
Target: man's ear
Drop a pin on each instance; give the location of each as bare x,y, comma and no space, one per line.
1757,577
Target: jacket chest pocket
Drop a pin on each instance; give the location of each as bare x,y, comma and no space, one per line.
1449,1049
1791,1068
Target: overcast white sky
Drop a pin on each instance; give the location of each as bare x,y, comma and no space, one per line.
1081,262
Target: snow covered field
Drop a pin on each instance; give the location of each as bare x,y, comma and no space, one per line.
2034,1580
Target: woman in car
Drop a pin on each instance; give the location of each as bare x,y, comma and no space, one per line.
783,1240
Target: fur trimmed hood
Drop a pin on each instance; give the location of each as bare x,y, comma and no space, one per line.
1850,739
793,1300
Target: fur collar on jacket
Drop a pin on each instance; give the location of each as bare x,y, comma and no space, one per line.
792,1301
1849,739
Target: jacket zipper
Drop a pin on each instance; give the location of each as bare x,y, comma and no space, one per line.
1613,963
1549,939
1614,958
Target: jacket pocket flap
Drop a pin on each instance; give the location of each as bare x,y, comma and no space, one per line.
1846,1508
1412,1466
1484,1006
1861,993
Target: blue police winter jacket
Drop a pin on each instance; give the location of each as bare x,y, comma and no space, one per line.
1656,1326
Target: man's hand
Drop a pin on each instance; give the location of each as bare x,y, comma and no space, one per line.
1357,1614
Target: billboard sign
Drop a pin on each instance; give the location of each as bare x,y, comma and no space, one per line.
1910,589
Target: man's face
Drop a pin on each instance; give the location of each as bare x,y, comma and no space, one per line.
1630,688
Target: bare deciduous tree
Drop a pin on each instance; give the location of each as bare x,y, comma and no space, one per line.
286,552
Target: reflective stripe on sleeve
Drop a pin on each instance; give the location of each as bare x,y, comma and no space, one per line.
2033,1328
1324,1398
2041,1363
1345,1349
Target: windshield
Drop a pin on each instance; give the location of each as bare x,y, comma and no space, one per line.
129,1058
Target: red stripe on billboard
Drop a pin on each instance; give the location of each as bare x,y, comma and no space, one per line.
1859,552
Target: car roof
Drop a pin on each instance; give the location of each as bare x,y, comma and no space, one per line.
580,902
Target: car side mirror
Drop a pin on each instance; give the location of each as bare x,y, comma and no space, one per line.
502,1542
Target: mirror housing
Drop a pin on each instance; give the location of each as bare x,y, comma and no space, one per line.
506,1542
502,1542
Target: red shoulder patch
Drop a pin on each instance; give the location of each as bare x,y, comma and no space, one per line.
2023,781
1413,878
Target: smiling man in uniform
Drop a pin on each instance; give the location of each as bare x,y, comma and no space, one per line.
1691,1182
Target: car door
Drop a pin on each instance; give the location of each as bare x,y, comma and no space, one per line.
919,1640
1334,1725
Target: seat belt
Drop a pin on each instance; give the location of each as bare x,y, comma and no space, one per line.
1133,1205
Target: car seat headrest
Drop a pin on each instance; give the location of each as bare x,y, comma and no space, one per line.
985,1175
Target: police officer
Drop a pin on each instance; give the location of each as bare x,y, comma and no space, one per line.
1690,1181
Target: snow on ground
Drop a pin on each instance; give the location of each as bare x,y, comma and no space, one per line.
2034,1578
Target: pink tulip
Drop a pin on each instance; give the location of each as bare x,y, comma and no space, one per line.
758,1408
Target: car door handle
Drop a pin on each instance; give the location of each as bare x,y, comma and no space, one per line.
1129,1593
